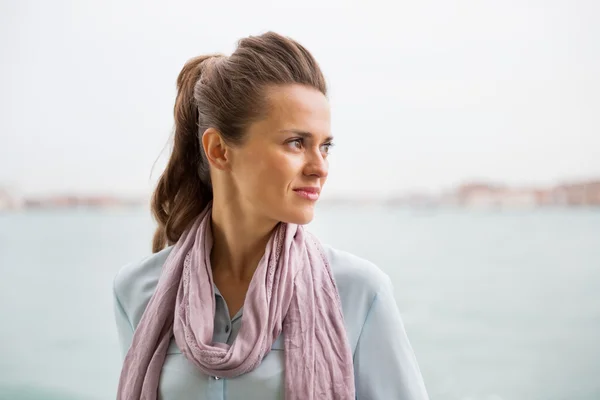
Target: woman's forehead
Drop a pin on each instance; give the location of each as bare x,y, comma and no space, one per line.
298,107
296,98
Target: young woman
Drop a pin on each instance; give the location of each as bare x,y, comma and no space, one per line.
239,301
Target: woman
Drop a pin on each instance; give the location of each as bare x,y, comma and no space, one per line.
238,301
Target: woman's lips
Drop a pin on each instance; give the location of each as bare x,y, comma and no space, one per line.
309,193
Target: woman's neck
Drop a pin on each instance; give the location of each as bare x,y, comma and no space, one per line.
239,241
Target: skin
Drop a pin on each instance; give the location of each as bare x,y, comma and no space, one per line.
253,183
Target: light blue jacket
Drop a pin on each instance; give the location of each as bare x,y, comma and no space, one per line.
384,363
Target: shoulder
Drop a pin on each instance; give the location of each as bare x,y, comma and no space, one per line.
355,273
135,283
359,283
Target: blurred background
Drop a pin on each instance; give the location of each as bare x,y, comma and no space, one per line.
467,167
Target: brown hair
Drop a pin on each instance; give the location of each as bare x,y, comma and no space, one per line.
227,94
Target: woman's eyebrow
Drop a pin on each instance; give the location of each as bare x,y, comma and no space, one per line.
304,134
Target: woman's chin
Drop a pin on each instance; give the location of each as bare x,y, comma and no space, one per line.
300,216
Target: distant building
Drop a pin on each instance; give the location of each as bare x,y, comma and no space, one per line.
90,202
519,198
481,195
9,201
578,194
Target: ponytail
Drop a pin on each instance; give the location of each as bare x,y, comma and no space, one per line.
184,188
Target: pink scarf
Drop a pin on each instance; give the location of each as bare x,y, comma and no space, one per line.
292,290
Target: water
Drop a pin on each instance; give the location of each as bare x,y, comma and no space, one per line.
498,305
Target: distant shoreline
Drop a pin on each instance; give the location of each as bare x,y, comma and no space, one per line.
469,195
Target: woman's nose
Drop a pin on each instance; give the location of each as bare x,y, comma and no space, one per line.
316,165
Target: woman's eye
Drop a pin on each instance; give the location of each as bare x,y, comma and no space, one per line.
326,148
296,143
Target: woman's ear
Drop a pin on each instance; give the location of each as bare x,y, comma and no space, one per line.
215,148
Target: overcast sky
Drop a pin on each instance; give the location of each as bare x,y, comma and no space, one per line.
424,94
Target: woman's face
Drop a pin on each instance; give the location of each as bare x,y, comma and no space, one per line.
282,166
